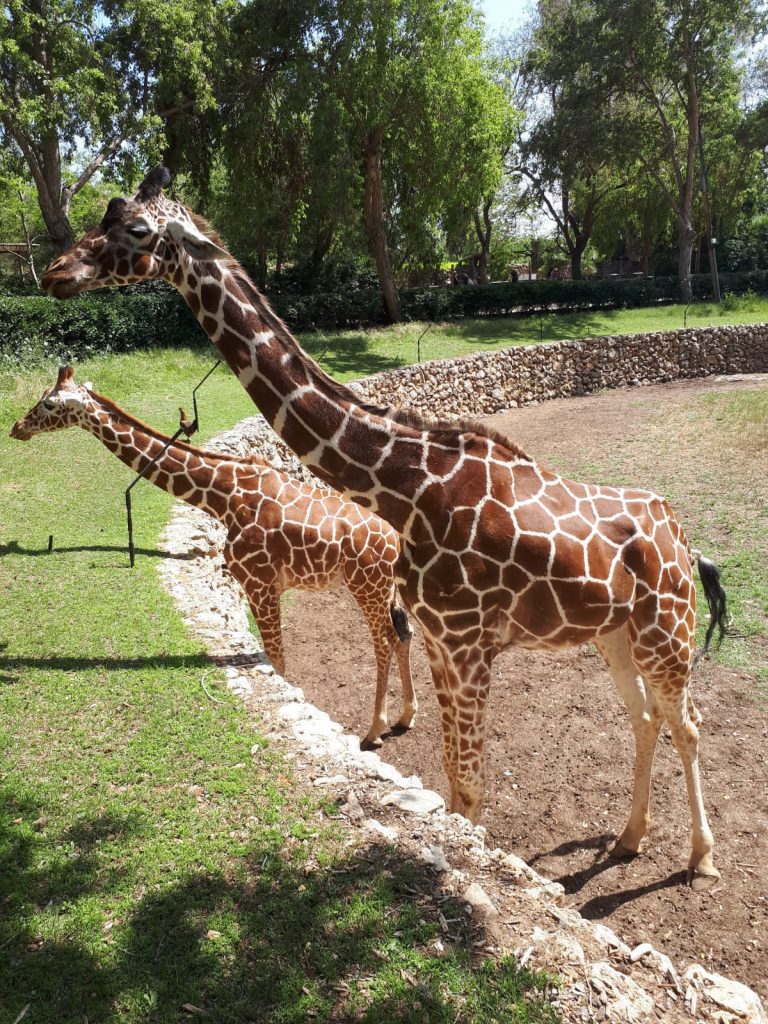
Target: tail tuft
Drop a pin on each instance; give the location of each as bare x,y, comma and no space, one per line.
717,602
400,622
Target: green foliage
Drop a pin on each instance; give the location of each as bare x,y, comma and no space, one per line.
35,327
79,77
405,80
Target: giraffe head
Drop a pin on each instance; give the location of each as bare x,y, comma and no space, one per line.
63,405
149,236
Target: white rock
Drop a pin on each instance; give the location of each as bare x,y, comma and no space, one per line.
640,951
415,801
352,807
330,780
480,902
627,1001
389,773
314,728
435,857
610,938
729,995
332,747
390,834
300,712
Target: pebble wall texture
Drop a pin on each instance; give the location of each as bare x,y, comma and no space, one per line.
486,383
514,908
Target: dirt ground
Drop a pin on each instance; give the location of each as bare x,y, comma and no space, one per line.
559,747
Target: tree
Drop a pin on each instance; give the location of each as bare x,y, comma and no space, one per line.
671,65
421,113
568,150
83,83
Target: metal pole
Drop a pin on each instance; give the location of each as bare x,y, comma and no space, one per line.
711,240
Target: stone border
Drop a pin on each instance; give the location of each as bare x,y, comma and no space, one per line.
487,383
517,910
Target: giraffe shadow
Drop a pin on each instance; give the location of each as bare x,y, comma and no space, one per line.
14,548
11,666
575,881
601,861
604,906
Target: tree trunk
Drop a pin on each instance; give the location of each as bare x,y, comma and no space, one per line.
319,251
576,261
28,240
57,222
685,239
261,256
483,231
373,217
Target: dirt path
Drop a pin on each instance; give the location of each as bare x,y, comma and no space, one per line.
559,746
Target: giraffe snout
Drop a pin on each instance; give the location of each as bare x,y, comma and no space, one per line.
19,431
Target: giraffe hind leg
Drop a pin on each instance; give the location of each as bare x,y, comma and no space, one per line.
702,873
645,718
265,606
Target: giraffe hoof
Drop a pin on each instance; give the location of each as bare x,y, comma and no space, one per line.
401,727
371,743
621,852
701,881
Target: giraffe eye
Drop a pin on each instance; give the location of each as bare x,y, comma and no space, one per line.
138,230
50,406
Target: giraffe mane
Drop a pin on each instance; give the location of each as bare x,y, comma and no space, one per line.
411,418
405,416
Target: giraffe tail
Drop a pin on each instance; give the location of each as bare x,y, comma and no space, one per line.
716,600
400,622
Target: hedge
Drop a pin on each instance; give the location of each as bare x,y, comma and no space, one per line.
34,327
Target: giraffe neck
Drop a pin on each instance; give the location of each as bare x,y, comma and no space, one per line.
371,459
185,472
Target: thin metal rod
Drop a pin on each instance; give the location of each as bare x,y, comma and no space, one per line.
191,429
194,425
708,223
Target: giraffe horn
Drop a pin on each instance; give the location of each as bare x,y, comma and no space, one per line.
153,183
65,374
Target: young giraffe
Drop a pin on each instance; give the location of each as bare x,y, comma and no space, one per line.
281,534
496,550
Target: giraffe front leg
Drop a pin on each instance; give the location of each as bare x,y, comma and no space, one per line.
265,605
645,718
471,679
448,719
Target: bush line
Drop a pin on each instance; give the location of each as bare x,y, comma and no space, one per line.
33,327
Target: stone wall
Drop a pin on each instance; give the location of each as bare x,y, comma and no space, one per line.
482,384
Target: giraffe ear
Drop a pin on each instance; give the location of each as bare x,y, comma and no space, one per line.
199,246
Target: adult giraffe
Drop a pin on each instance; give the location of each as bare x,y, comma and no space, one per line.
282,534
496,550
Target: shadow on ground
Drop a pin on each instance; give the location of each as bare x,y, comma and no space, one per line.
14,548
278,938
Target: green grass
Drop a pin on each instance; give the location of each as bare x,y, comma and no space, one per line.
349,354
147,859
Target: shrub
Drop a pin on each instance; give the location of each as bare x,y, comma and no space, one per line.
33,327
36,327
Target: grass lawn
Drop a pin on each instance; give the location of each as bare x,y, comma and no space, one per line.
147,859
349,354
